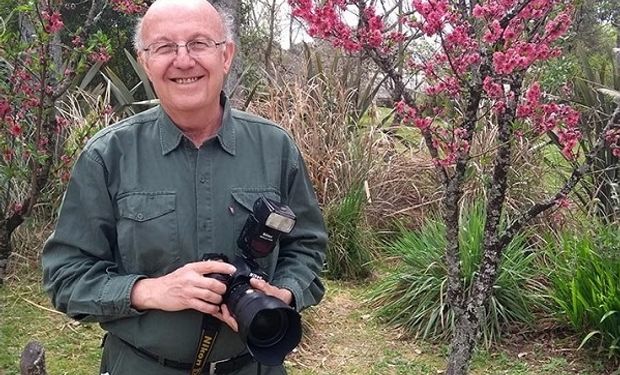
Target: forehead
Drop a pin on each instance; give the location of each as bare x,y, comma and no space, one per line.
181,23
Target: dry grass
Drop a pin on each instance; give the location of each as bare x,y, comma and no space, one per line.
341,338
340,153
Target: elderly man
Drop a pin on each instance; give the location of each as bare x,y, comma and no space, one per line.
150,195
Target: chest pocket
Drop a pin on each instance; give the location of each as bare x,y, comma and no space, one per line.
243,203
147,232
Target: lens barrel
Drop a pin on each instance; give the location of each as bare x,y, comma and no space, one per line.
270,328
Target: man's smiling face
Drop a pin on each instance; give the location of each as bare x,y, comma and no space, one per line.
185,82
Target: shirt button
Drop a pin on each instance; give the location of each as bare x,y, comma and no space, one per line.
203,180
139,216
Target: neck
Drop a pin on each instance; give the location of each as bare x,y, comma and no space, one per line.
198,126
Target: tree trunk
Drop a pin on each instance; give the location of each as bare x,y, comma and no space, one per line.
7,227
463,342
5,249
236,70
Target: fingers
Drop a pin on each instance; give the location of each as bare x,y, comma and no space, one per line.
212,266
203,307
186,287
225,316
283,294
210,284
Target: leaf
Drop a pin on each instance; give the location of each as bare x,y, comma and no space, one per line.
150,94
120,90
92,72
608,314
588,337
609,92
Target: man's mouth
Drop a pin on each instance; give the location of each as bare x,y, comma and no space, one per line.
185,81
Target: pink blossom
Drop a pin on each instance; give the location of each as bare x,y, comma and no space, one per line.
5,108
61,123
101,55
612,137
129,6
563,202
434,12
15,130
493,33
77,41
53,21
493,89
7,155
17,208
557,27
423,123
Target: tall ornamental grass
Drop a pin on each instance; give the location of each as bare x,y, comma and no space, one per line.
349,250
413,293
585,283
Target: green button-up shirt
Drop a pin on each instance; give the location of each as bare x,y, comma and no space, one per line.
143,201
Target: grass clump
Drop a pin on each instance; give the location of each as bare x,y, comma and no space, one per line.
585,283
349,250
413,294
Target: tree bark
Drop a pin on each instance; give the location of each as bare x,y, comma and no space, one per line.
236,70
5,249
7,227
33,360
464,341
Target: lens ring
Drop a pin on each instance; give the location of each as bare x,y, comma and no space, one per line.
268,327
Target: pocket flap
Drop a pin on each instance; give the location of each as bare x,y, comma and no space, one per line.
247,197
146,206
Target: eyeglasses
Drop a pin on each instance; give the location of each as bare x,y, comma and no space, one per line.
195,48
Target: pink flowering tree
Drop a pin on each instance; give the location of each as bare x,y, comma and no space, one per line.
40,60
472,59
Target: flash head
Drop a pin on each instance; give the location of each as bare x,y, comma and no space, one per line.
279,216
262,230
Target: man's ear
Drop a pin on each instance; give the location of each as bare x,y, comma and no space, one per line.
144,64
229,53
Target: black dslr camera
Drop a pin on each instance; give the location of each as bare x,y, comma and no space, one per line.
269,327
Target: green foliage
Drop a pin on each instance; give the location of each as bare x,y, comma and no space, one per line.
413,293
126,98
585,274
349,250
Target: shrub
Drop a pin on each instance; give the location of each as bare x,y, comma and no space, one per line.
349,250
584,270
413,294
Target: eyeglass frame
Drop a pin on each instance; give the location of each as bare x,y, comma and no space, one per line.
207,41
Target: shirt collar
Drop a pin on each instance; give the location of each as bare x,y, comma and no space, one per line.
171,136
226,133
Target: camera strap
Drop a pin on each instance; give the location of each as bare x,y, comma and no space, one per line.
208,334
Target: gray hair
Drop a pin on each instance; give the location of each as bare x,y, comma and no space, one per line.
227,18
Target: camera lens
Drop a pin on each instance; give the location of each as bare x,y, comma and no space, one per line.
268,327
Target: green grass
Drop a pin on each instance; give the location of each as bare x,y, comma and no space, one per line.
341,338
413,292
586,284
71,347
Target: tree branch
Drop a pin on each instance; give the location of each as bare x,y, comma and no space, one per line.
578,173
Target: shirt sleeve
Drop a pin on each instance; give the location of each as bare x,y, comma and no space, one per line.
79,270
302,252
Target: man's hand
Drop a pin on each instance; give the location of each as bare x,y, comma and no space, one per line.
225,316
185,288
283,294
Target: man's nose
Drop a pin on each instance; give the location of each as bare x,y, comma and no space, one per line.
183,59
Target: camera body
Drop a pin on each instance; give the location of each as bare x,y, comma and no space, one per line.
269,327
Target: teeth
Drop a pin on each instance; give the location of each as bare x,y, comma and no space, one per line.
184,81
